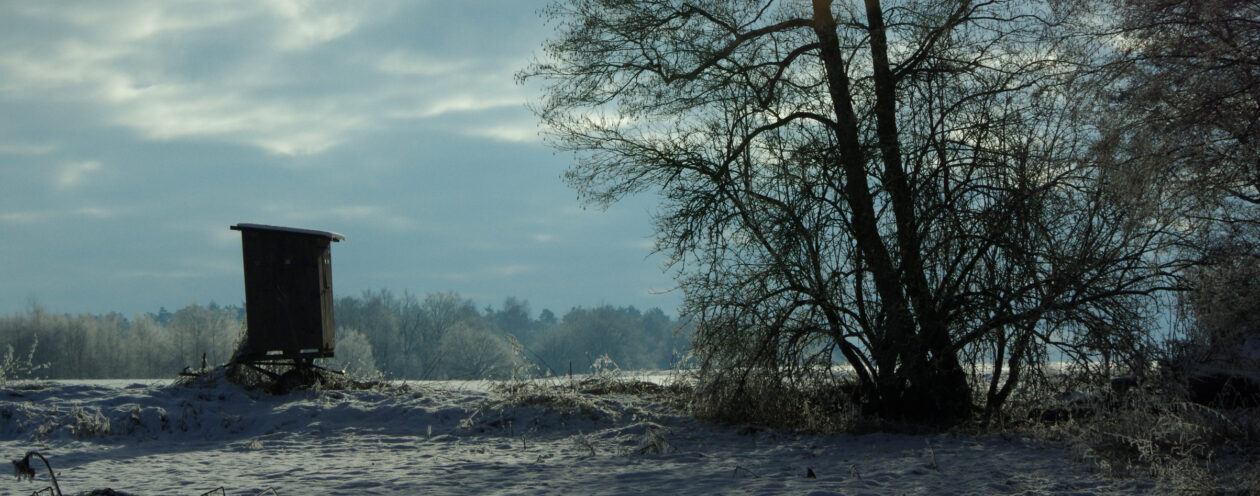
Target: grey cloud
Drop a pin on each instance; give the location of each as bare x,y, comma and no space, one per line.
177,71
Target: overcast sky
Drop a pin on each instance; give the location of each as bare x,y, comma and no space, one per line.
134,133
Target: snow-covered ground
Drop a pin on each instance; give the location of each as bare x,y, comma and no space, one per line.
150,437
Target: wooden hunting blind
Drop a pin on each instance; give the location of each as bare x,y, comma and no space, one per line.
288,293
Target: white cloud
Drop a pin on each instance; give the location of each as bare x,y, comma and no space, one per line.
188,268
25,217
223,235
40,216
486,245
510,133
345,216
97,212
510,270
26,148
159,274
140,20
307,23
74,175
174,110
282,127
468,103
262,74
406,63
643,244
135,83
490,273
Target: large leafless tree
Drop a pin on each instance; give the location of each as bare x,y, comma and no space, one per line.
893,185
1182,135
1186,117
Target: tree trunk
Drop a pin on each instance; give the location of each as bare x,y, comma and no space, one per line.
918,376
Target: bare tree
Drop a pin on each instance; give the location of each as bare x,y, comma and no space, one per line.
440,313
475,353
1182,134
1184,120
888,186
1183,137
210,331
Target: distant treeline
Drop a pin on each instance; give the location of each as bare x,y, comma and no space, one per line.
438,336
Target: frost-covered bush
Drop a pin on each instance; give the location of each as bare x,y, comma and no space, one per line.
1223,327
13,366
354,355
1187,447
74,422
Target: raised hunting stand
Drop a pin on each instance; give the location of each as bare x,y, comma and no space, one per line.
288,296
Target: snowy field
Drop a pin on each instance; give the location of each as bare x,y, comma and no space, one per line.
149,437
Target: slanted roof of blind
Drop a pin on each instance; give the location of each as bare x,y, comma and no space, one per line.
288,230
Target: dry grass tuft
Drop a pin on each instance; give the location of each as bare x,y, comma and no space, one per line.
579,396
603,386
822,405
576,399
1184,445
553,396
